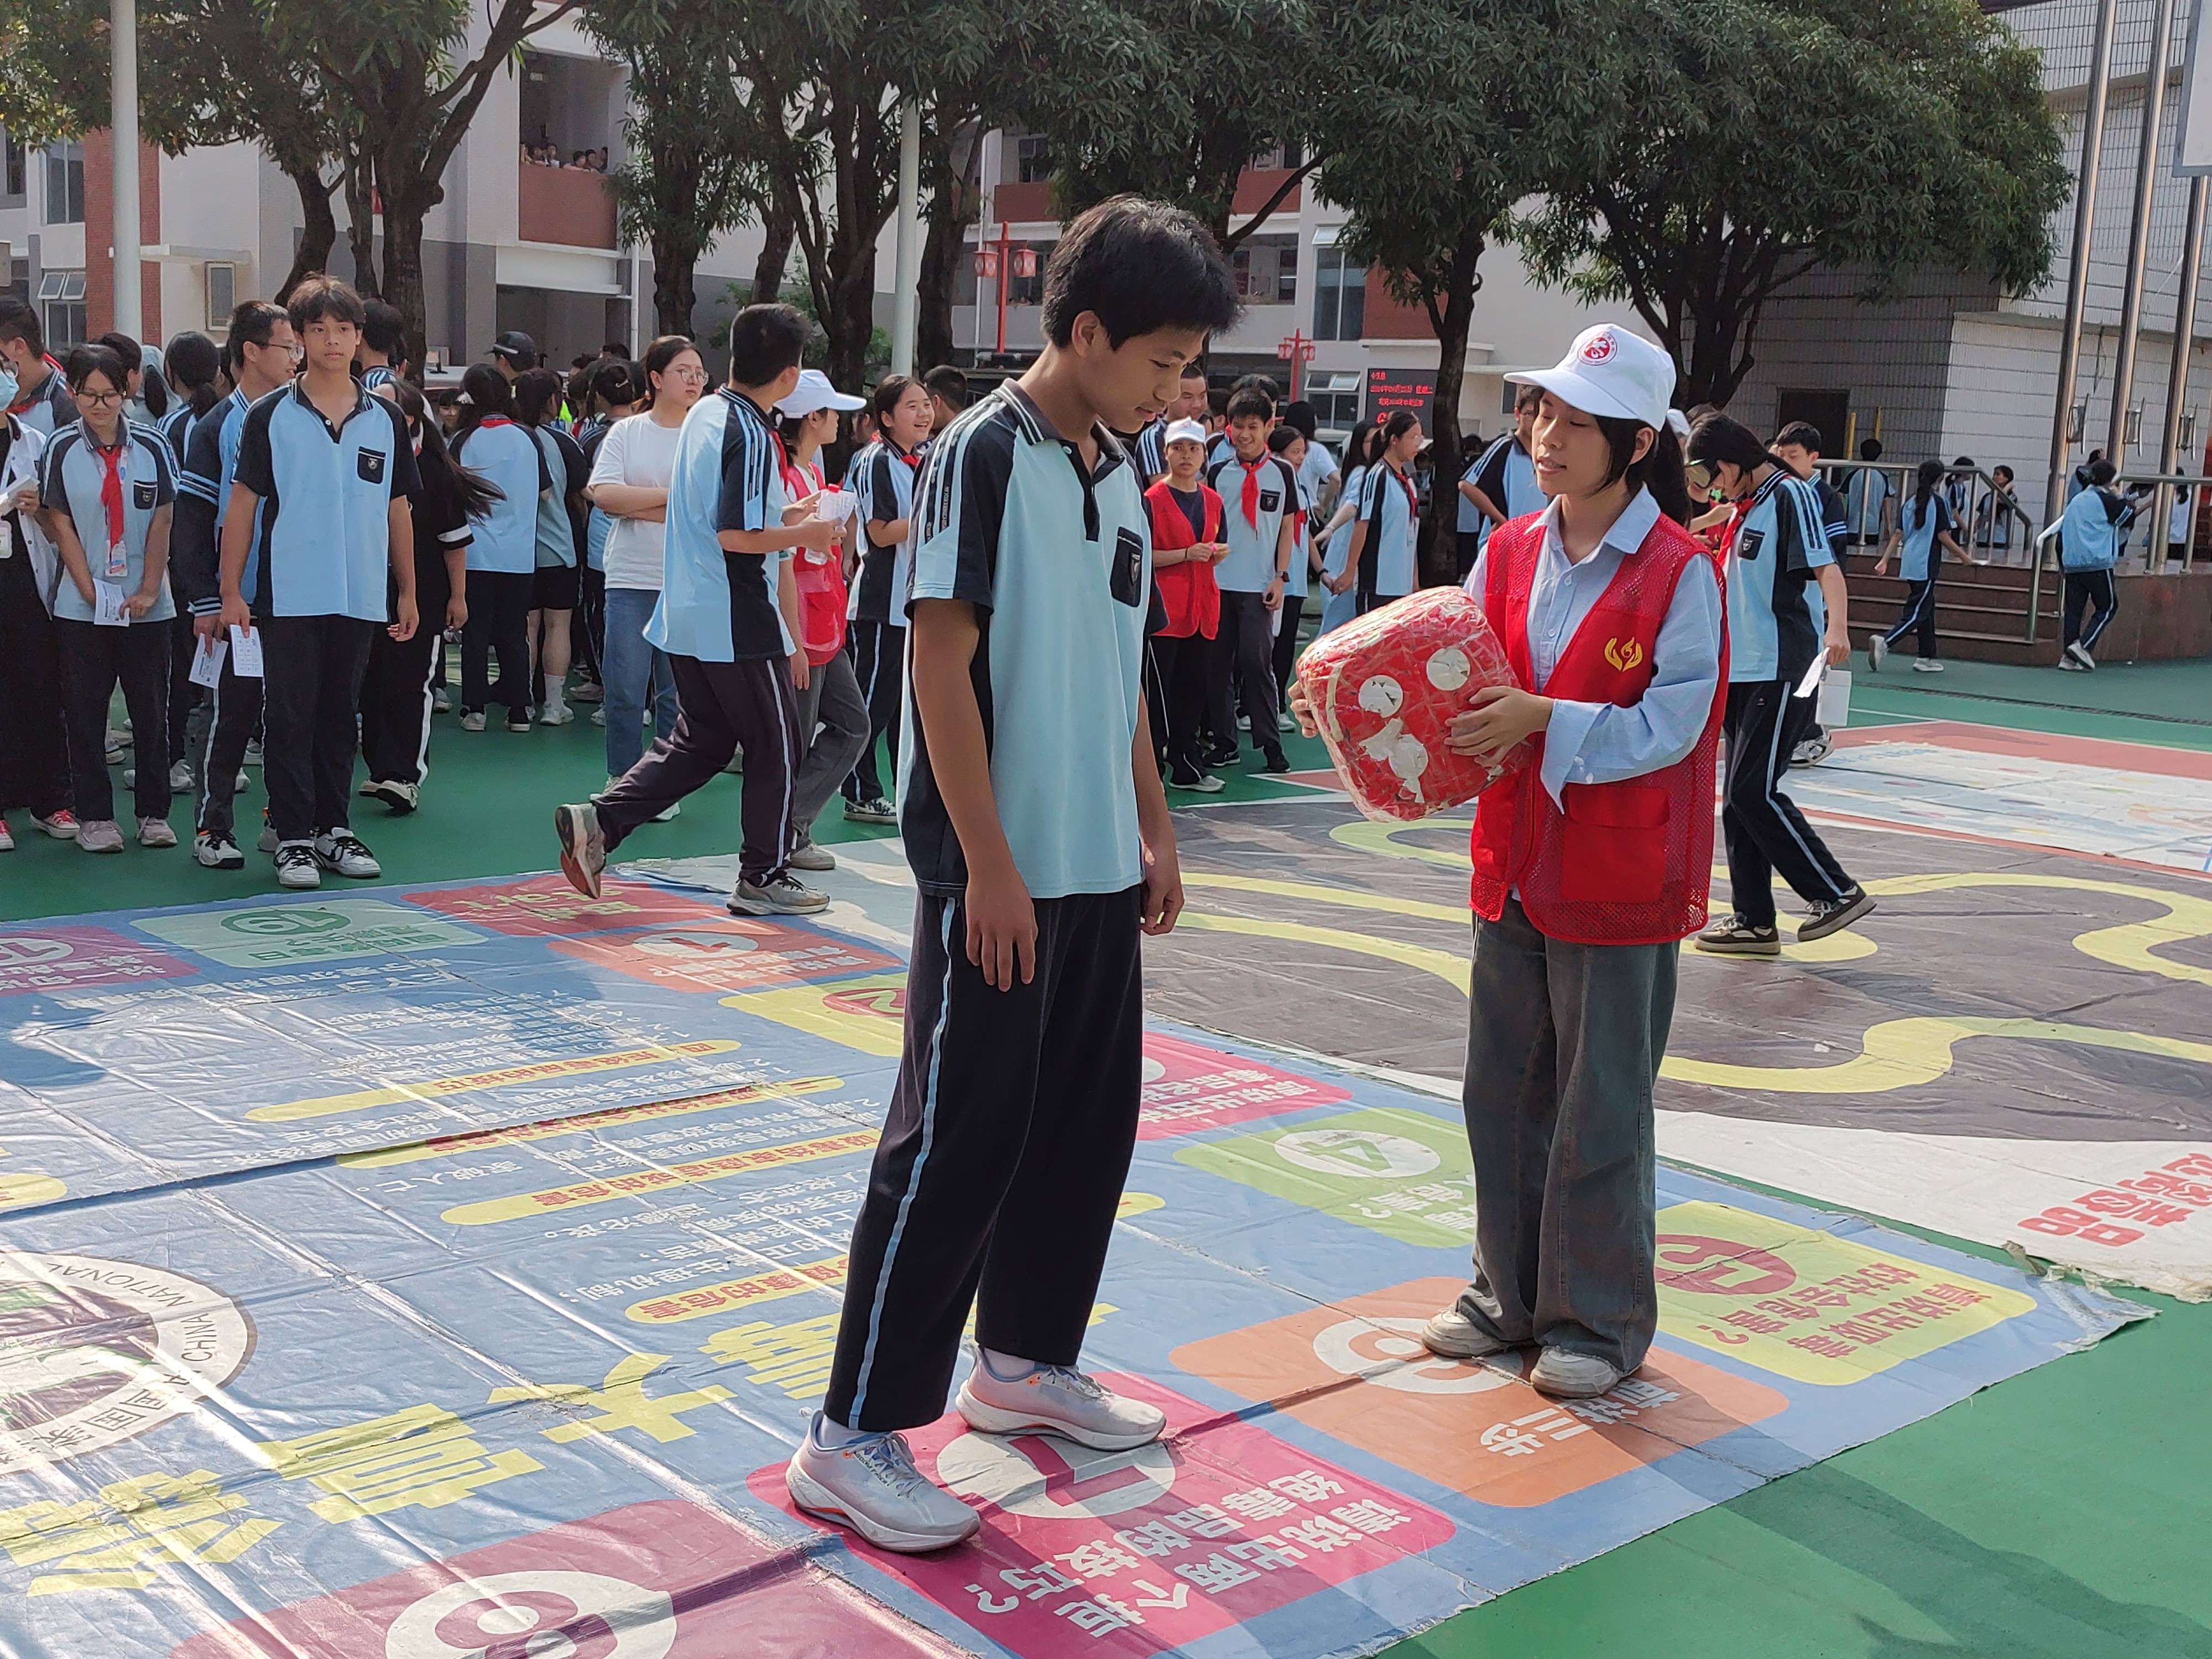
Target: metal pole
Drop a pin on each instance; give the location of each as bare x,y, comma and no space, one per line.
2153,115
123,40
2077,271
2184,337
906,299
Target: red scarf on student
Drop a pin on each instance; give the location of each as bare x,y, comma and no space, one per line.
111,484
495,420
25,398
1248,498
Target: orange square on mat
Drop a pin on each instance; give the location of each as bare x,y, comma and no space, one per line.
1356,1369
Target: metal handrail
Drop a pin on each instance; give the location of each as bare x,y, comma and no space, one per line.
1984,511
2155,541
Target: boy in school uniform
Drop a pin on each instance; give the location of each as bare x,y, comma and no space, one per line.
259,348
1040,842
319,509
726,589
381,355
1260,490
1501,485
1797,447
41,399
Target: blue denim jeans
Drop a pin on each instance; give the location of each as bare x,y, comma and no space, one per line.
1563,1047
629,666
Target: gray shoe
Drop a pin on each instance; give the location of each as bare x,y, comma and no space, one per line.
155,832
180,776
583,847
872,1486
1877,653
268,843
1567,1376
1829,914
807,856
1455,1336
1732,936
780,895
99,835
1057,1400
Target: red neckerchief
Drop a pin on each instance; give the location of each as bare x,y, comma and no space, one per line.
495,420
1412,496
25,399
111,485
912,457
1248,498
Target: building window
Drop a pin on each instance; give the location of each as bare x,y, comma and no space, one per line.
222,297
1340,296
11,164
65,184
1266,271
61,307
1335,398
1033,159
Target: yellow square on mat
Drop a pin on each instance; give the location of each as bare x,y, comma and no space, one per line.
868,1013
1806,1304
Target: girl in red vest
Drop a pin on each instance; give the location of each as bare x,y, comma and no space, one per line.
1591,866
1186,544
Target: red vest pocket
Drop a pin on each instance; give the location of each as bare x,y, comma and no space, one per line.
1612,843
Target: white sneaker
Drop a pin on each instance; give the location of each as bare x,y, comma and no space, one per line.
1926,665
442,702
1286,721
99,835
599,717
1454,1335
784,896
1059,1399
807,856
583,845
2077,655
341,851
1877,653
217,852
1567,1376
400,796
555,715
180,776
473,722
873,1487
673,810
253,752
1813,750
7,838
62,825
295,865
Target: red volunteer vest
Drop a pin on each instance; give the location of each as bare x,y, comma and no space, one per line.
1192,596
1626,863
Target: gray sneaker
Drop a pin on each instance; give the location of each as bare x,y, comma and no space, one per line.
295,865
1877,653
99,835
807,856
155,832
583,845
1452,1334
872,1486
779,895
877,810
1057,1400
1827,915
1567,1376
1732,936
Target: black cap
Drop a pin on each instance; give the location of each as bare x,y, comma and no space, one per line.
518,348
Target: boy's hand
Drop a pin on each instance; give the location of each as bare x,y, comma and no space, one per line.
1302,707
140,603
207,628
457,611
818,534
403,629
236,613
1839,649
1163,891
800,671
1002,926
1497,717
1881,566
1271,598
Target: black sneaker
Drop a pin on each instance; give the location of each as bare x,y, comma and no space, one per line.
1224,757
1277,762
518,720
1732,936
1830,914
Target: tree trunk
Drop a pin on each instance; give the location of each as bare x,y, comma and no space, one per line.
318,238
852,322
1451,320
777,233
361,227
675,284
402,267
1713,373
942,251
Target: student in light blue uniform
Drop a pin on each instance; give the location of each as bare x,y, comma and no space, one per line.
1384,537
1925,527
2090,538
557,584
1340,607
502,549
192,365
1502,485
1259,493
877,614
1778,550
107,486
332,547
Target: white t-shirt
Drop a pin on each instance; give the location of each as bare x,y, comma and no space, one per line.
637,450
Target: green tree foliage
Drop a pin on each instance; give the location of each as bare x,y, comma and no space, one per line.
1436,120
1773,138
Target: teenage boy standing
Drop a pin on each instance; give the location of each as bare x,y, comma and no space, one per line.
1040,842
382,355
41,399
329,470
726,589
1261,491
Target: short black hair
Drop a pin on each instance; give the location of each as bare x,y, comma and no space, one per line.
2099,473
1870,449
89,360
252,324
1217,402
318,298
19,320
949,382
1193,370
384,329
1300,414
1283,437
1250,400
1803,433
1524,392
764,341
2001,471
1722,438
1138,266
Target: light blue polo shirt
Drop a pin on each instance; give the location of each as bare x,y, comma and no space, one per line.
1919,529
1058,564
1250,564
2094,529
324,545
504,541
557,534
1386,557
1774,612
717,606
70,484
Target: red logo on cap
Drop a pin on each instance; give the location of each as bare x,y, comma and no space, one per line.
1599,348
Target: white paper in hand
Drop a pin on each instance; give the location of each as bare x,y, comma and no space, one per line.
107,604
837,505
245,654
207,663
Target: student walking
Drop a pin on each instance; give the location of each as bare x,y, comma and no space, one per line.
1779,548
629,482
1578,916
33,740
721,619
503,545
1260,491
398,691
1797,447
262,355
319,509
556,587
108,487
885,488
1380,562
1341,604
1925,527
1187,517
1287,443
2090,534
834,727
1043,850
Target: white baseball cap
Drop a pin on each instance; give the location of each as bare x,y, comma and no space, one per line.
1611,371
814,392
1184,432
